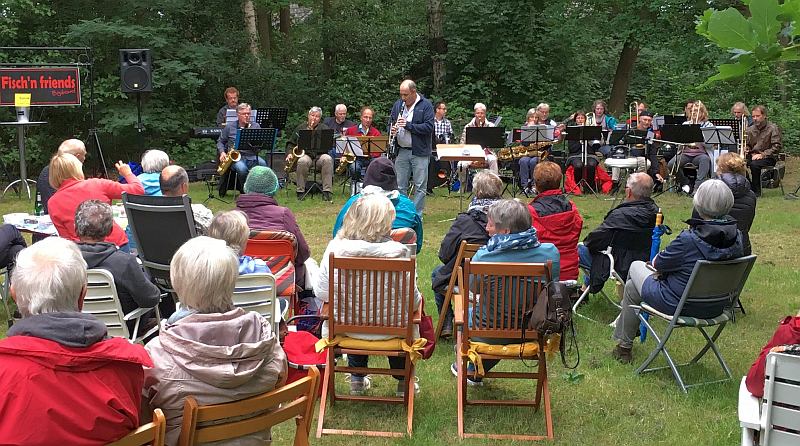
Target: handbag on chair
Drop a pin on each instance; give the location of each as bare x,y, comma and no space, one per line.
552,314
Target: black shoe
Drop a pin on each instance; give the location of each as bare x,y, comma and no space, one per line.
447,328
614,188
300,196
622,354
326,196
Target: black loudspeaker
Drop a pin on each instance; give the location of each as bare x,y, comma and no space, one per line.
438,173
135,70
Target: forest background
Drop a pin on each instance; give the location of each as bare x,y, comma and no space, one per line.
510,55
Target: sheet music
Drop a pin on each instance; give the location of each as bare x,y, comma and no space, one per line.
546,132
349,141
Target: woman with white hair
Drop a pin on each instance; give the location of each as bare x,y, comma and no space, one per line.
232,228
713,236
219,353
153,162
365,233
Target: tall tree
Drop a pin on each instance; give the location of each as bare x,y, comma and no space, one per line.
251,27
437,43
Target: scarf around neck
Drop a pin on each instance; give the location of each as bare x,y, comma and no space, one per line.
521,240
481,204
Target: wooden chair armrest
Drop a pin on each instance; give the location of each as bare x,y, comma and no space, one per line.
458,310
749,408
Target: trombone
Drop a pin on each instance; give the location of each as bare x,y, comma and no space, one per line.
743,137
634,107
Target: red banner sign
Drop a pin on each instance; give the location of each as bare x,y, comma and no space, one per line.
47,86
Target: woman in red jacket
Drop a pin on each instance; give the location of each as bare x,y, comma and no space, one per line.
555,218
72,189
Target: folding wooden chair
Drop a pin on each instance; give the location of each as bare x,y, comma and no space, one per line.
503,293
359,304
279,250
777,416
152,433
711,283
465,251
204,424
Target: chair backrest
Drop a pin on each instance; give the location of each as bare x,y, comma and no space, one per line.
152,433
256,292
405,236
781,404
160,226
102,302
278,249
204,424
716,282
371,295
465,251
504,292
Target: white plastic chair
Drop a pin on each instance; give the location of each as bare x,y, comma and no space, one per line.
778,414
257,292
102,302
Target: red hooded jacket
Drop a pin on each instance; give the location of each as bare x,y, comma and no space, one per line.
787,333
58,395
559,224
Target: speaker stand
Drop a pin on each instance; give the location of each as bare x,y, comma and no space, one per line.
139,125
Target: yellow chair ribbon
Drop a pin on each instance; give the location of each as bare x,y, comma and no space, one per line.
393,344
475,349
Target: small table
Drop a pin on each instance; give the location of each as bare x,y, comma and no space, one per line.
460,152
23,171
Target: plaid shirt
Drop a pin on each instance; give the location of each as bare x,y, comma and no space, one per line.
442,127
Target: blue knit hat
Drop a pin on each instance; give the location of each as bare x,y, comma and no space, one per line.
261,180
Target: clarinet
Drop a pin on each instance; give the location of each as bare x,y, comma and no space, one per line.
391,148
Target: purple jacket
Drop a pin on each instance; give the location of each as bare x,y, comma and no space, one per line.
263,212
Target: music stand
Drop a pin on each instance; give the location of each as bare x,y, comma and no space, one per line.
536,134
486,136
271,117
373,144
584,134
315,142
680,135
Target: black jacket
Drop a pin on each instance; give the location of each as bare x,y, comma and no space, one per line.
744,205
628,229
469,226
133,288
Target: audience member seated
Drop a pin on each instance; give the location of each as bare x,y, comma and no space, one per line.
365,233
217,353
174,182
469,226
628,228
713,236
11,243
232,228
153,162
382,179
787,333
66,175
63,380
263,212
93,222
555,218
512,240
73,147
732,170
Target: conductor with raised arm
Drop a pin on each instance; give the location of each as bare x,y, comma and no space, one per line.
412,123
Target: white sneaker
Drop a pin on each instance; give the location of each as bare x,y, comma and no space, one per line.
401,387
685,188
359,385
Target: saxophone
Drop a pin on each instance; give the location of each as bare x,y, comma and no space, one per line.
232,157
348,158
294,155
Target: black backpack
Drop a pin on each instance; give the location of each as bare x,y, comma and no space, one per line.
552,313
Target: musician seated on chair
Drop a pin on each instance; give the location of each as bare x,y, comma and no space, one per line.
763,145
491,159
739,110
694,153
442,128
93,223
218,353
231,102
644,148
606,121
174,182
63,380
382,179
365,233
323,163
338,122
512,240
713,236
227,141
536,116
264,213
627,228
576,155
469,226
556,218
365,128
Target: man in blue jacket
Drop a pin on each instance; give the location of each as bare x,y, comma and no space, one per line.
412,121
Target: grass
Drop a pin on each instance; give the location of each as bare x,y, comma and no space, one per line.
609,404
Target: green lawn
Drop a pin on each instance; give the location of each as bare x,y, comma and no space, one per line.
609,405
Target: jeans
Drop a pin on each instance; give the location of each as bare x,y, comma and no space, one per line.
585,260
395,362
526,166
703,163
407,166
439,297
243,166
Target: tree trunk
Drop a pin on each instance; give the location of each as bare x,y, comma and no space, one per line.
251,28
327,51
285,21
265,30
622,77
437,44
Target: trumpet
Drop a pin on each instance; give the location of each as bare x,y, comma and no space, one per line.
348,158
291,161
232,157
